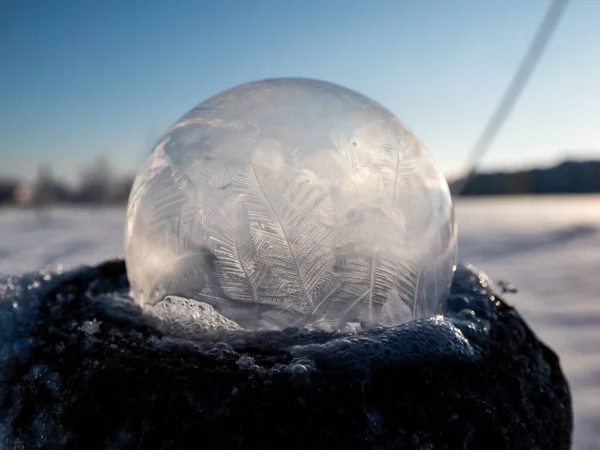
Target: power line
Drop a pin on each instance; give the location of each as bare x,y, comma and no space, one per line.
514,89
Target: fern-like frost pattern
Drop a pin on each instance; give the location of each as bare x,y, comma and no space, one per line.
292,203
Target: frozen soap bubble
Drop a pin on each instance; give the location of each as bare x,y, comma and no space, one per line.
292,202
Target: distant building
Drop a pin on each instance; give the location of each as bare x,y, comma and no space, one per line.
22,194
43,191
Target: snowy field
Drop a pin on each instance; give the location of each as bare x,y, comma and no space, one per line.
549,248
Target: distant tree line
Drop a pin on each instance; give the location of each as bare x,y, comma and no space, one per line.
98,185
570,177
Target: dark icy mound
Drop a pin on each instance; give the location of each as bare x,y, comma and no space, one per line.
82,367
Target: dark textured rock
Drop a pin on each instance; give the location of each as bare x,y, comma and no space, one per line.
82,367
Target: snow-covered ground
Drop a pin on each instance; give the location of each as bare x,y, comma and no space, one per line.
549,248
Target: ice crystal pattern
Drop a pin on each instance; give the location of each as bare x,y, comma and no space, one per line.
292,202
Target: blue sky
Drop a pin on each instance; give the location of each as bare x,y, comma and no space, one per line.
89,77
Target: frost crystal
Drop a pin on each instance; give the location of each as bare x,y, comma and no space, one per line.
292,202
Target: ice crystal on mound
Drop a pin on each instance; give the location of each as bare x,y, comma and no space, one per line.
292,202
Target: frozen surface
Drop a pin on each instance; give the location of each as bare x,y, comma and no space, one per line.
58,238
549,248
292,202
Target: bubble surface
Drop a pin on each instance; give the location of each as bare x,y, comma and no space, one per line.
292,202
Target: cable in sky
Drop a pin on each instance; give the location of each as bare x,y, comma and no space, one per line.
514,90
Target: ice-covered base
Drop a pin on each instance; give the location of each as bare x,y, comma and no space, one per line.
82,367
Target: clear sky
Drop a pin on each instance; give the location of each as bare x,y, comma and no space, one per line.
88,77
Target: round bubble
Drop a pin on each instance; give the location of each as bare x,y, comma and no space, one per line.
292,203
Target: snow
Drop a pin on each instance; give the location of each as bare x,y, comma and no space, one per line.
60,237
548,247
